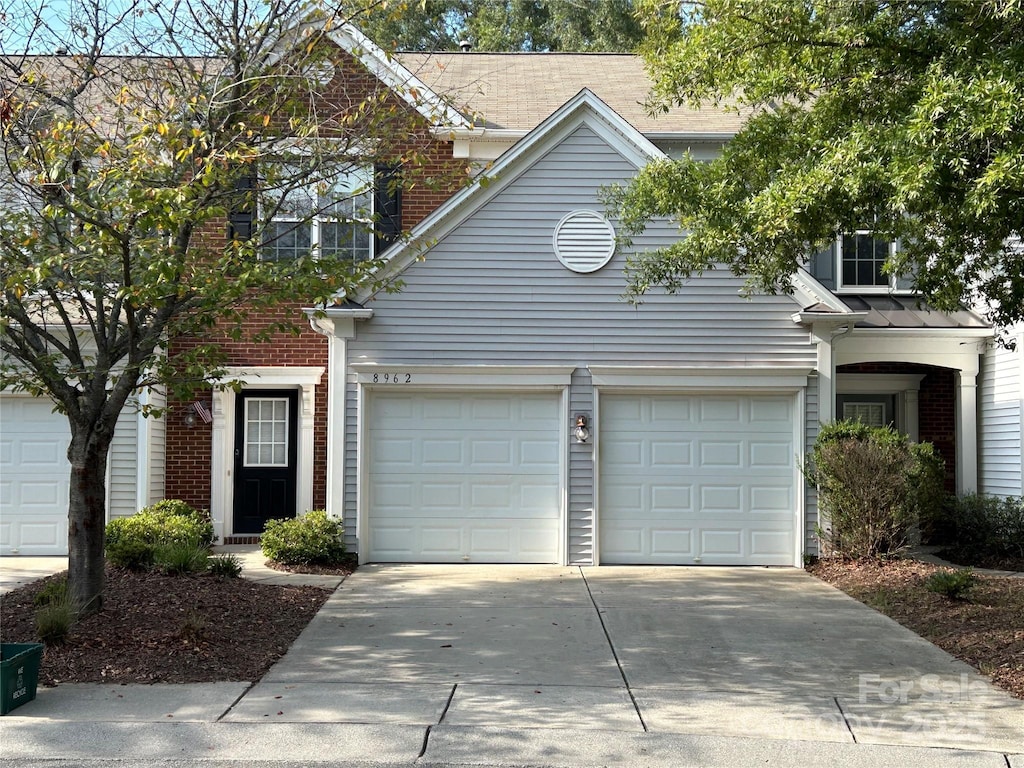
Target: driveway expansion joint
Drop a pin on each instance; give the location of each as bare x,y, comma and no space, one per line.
611,646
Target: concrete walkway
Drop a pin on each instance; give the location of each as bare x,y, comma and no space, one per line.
520,665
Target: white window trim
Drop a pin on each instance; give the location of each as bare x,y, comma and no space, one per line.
890,287
318,219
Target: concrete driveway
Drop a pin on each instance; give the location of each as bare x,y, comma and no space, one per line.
748,652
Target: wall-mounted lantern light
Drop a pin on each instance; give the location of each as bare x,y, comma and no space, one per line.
197,412
581,431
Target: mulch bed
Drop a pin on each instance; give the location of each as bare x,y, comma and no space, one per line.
985,630
169,629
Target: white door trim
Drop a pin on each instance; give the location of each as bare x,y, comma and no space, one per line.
222,460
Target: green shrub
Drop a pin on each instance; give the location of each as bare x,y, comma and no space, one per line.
952,584
54,621
53,591
225,566
161,524
132,554
177,558
312,539
873,485
984,527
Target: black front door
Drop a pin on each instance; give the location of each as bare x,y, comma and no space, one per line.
265,452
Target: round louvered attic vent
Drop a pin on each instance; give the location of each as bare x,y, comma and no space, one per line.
584,241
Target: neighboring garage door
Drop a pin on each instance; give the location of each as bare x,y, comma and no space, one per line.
34,478
697,479
464,477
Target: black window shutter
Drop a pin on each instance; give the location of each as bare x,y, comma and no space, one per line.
243,207
387,193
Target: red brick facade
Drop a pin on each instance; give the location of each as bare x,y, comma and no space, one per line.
936,407
430,176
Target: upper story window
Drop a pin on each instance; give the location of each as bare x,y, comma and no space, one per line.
855,263
330,218
862,257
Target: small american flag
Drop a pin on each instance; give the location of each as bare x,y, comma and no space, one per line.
202,412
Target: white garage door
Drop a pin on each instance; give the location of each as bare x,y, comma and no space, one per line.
464,477
697,479
33,477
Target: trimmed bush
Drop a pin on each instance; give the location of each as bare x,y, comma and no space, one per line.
873,486
132,542
132,554
312,539
981,528
952,584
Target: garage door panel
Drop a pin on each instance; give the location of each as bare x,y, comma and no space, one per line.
770,499
480,481
34,493
773,453
721,542
713,483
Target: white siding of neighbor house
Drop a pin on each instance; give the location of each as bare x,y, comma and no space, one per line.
121,493
493,292
1001,420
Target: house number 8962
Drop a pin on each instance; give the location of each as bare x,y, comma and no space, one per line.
392,378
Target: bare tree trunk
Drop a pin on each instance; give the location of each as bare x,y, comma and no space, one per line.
87,509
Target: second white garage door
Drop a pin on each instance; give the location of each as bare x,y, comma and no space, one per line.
704,479
463,477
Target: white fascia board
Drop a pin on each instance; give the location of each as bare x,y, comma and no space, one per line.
584,107
462,376
358,313
722,136
944,334
700,378
809,290
393,74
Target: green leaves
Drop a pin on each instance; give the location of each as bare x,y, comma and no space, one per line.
900,116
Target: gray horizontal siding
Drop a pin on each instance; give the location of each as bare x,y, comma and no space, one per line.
492,292
1001,422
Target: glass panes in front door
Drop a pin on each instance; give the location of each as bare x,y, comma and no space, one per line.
266,432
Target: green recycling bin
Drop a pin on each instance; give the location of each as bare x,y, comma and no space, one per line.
19,674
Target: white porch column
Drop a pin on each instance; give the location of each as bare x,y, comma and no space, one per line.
338,331
823,333
967,431
304,465
911,419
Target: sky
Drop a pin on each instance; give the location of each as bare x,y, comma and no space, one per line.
21,30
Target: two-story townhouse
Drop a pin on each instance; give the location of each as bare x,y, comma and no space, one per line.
507,405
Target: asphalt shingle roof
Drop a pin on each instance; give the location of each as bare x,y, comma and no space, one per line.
518,90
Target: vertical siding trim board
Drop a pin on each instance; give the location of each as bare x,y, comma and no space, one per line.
581,469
